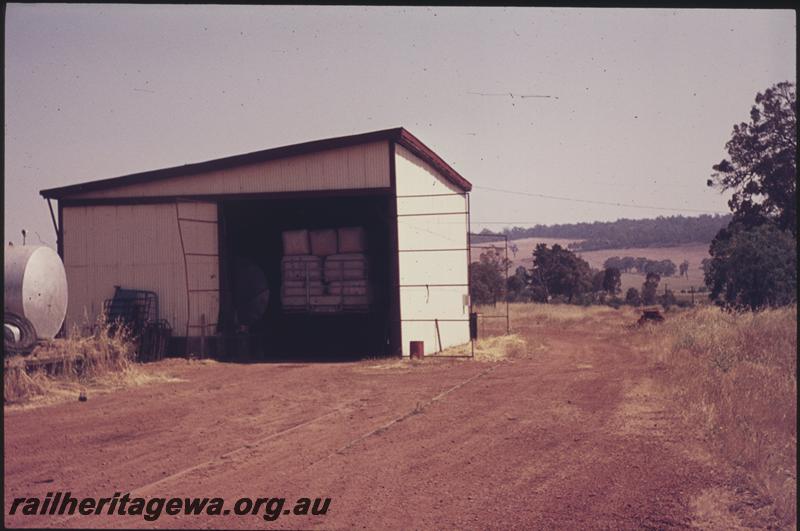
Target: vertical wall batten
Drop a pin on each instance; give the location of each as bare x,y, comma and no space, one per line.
395,310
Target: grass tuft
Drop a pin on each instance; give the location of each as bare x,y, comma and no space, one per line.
99,358
492,348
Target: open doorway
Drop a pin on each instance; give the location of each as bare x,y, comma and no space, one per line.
251,245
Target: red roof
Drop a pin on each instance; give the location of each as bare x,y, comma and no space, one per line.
398,135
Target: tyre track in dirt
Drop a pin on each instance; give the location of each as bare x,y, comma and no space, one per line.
573,435
117,445
245,455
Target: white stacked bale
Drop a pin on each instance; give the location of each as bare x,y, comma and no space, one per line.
350,266
323,242
351,293
298,288
295,242
348,287
301,278
325,270
322,303
352,240
296,293
346,275
334,303
301,267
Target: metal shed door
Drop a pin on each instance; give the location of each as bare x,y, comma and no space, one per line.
199,238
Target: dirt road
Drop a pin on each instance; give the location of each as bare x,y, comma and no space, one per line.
572,434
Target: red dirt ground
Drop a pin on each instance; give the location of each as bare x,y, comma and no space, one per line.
573,434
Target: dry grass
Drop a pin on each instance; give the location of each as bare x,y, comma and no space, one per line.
525,316
494,344
91,362
495,348
388,364
492,348
735,374
488,349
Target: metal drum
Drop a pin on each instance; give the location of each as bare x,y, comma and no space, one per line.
36,287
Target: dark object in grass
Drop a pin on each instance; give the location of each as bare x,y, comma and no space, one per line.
650,314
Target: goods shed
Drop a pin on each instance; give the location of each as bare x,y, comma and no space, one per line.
355,245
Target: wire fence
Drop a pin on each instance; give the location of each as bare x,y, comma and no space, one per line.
479,244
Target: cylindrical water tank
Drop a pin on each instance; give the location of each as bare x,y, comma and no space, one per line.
36,287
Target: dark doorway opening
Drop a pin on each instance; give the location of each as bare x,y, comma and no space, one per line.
251,231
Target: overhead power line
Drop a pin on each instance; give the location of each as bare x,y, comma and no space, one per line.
592,201
512,95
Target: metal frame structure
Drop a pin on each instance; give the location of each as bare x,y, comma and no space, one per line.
506,315
203,325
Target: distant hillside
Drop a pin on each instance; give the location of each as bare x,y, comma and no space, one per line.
624,233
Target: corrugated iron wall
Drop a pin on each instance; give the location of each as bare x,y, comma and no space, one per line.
199,233
433,254
355,167
150,247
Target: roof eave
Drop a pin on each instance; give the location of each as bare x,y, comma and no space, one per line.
416,146
399,135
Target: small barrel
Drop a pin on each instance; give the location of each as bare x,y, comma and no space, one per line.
417,349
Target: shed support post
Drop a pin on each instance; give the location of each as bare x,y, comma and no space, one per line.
55,224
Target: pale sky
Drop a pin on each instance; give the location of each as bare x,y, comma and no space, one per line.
646,98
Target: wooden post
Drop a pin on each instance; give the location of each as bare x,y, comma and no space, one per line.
202,336
505,290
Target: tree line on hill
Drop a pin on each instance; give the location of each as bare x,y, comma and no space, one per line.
623,233
629,264
559,275
753,261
